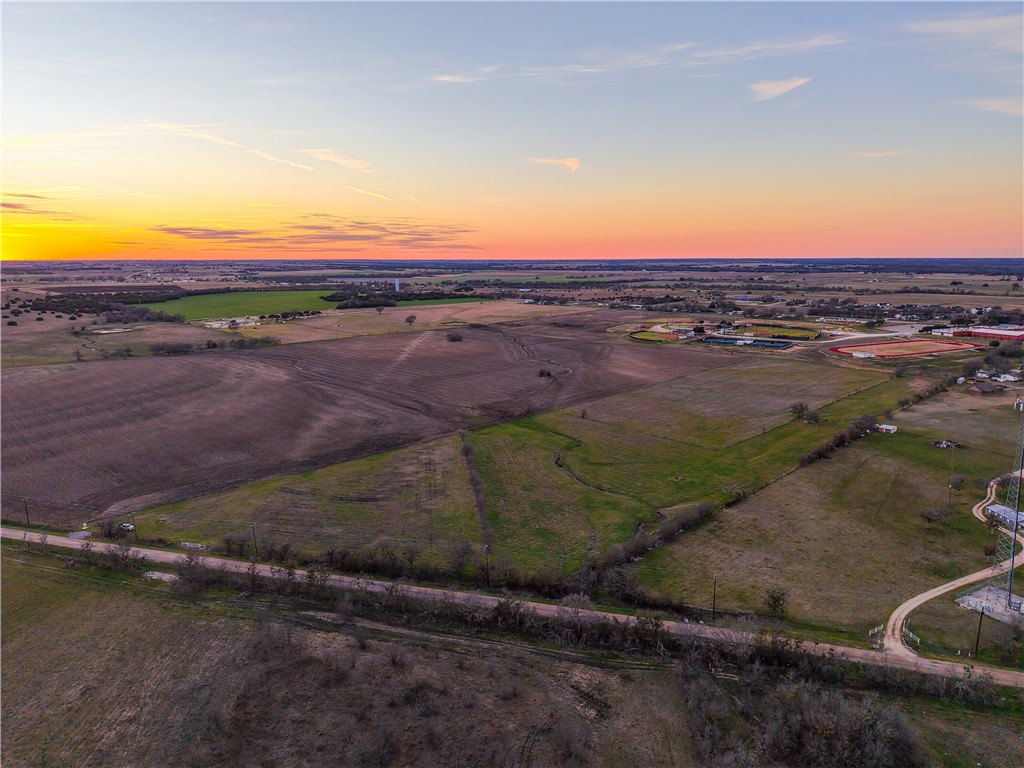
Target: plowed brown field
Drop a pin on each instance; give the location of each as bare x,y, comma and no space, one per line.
117,436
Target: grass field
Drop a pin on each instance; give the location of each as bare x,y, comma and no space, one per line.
650,336
51,342
242,303
778,331
560,488
103,673
103,670
367,322
844,536
947,629
417,496
432,302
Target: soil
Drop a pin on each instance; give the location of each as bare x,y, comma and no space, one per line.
82,440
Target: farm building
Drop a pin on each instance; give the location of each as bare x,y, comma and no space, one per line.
1005,515
887,429
985,388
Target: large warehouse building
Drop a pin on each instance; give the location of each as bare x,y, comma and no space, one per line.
1011,333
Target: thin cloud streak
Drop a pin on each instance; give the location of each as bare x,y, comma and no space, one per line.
772,89
329,230
572,163
1008,106
765,49
991,32
377,195
331,156
882,153
191,132
639,194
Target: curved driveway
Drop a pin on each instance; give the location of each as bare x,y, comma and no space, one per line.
884,658
894,643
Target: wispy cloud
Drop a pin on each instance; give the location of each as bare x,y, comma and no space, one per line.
368,193
639,194
331,156
671,57
603,62
882,153
1001,33
317,231
572,163
772,89
31,210
192,132
65,138
473,76
269,27
211,233
765,49
1009,106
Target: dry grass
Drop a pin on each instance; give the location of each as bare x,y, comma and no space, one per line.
103,675
418,496
844,536
98,675
368,322
51,342
173,428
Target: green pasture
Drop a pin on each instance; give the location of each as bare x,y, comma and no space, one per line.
417,496
844,536
242,303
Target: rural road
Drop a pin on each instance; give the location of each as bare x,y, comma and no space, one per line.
894,643
885,658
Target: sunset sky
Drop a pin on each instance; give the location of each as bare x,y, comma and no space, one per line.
518,130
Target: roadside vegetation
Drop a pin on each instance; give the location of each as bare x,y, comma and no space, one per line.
362,678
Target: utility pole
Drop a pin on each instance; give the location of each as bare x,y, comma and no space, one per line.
949,502
135,530
255,549
28,522
714,597
977,639
487,563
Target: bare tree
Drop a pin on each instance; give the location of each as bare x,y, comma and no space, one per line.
799,410
379,309
410,319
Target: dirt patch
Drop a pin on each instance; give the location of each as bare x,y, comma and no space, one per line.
909,348
81,438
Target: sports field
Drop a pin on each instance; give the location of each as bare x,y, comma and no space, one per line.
908,348
776,331
242,303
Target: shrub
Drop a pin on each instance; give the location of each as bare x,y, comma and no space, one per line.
936,515
775,602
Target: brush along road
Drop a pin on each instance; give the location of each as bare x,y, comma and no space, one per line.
883,658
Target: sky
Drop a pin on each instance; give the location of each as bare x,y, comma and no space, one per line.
512,130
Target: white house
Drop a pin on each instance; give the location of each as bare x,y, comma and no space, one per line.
887,429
